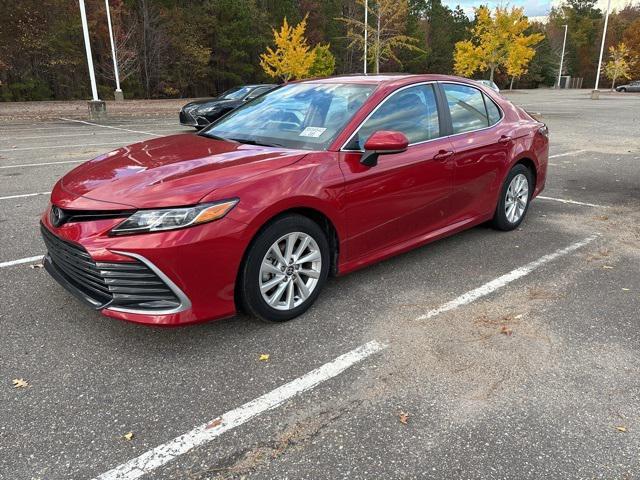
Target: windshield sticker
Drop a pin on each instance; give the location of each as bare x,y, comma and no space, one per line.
314,132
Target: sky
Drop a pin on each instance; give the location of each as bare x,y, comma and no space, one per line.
532,8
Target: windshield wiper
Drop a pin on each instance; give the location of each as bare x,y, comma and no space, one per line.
255,142
214,137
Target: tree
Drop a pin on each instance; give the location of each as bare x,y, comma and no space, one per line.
386,37
584,23
498,41
518,58
618,66
632,40
292,58
324,63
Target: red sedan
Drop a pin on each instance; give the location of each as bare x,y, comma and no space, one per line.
315,178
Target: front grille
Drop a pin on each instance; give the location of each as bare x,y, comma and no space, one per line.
59,216
186,116
125,285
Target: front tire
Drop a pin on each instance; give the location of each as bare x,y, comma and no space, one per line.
514,199
285,268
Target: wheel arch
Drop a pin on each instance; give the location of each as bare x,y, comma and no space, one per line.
317,215
531,166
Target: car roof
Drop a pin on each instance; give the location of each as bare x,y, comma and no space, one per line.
386,79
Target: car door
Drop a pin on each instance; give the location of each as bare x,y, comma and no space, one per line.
481,142
405,194
634,87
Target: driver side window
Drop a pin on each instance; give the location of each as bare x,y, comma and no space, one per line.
412,111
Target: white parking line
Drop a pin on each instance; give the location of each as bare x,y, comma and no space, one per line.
24,195
61,146
493,285
40,164
21,260
17,139
572,202
567,154
109,126
163,454
66,126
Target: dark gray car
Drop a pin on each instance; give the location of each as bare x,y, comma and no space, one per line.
202,112
630,87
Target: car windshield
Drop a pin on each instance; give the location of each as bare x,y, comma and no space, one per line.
235,93
301,115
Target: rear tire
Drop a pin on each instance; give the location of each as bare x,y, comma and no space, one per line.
514,199
285,269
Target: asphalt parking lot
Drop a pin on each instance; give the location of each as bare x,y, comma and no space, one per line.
488,355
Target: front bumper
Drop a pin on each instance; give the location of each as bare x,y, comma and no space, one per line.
164,278
188,118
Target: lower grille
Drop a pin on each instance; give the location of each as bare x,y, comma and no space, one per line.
187,118
119,285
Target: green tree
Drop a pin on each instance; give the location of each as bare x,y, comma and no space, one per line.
584,23
385,37
324,63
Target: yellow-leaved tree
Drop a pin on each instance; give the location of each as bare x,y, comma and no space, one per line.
293,58
619,64
498,41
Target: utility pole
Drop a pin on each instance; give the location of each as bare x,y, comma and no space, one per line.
97,107
366,25
564,43
596,93
119,96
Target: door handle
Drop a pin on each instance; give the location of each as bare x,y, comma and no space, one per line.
504,139
443,155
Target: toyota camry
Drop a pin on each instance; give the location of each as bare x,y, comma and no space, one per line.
313,179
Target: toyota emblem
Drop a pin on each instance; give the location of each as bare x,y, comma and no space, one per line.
57,216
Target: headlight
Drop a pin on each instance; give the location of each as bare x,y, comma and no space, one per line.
200,111
173,218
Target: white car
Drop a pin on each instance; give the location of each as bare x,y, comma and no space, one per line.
490,84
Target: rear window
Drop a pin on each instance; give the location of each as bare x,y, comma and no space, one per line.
470,109
493,111
466,105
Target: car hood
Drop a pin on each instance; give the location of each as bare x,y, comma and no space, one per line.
210,103
168,171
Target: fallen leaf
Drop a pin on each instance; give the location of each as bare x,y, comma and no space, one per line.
264,357
36,265
215,423
625,289
518,316
506,331
403,417
128,436
608,267
20,383
621,428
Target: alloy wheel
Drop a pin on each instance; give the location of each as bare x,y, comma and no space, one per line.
517,198
290,271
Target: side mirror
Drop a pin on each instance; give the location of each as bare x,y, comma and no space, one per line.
383,142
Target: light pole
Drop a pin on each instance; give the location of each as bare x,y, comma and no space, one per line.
366,24
596,93
119,96
564,43
97,107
